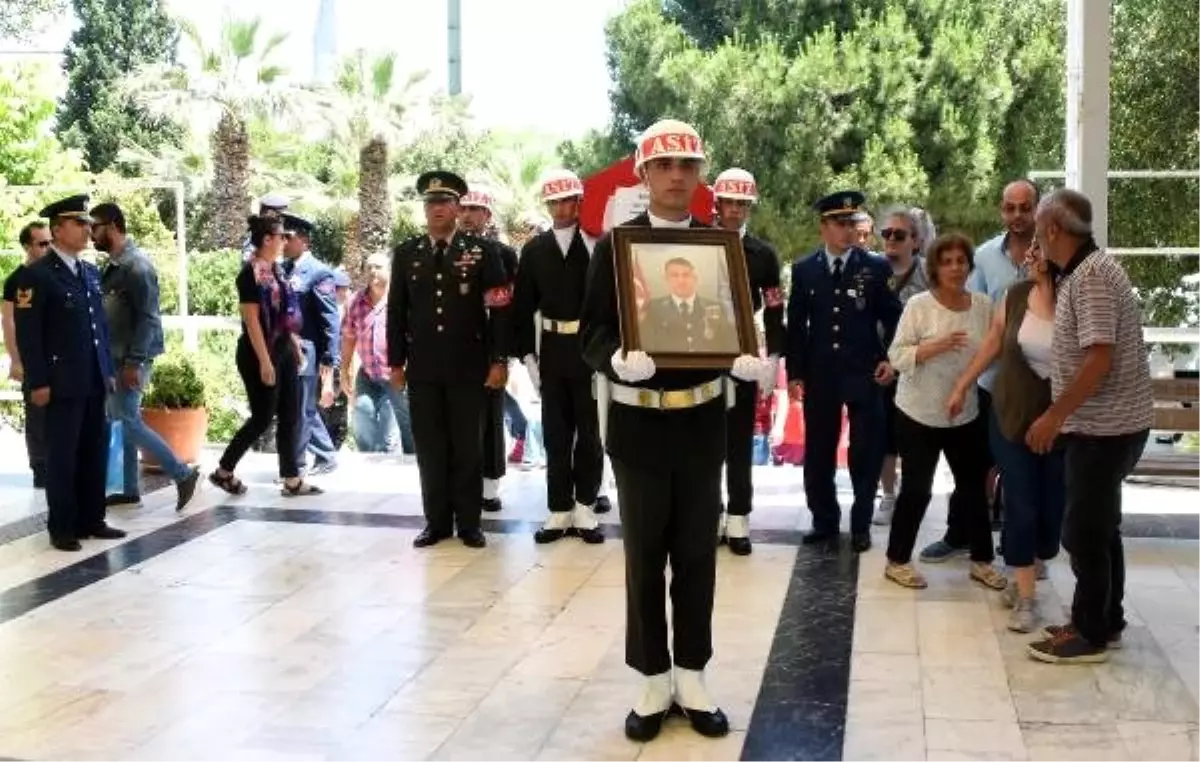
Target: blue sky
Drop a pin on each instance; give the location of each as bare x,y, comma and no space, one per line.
527,64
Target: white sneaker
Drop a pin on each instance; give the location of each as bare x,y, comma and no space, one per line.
883,514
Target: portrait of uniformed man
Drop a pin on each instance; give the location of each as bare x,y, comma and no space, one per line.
684,320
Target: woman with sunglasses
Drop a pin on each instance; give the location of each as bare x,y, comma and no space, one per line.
268,358
902,247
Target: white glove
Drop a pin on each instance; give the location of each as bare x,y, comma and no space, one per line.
535,377
633,367
749,368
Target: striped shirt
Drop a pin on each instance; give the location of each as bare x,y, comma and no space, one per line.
1096,305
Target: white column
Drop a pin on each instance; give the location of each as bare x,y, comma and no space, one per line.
1088,23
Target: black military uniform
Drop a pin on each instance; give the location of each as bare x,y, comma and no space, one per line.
62,334
666,439
494,454
447,323
553,282
763,269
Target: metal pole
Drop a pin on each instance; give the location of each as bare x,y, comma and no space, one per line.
1088,65
454,47
191,334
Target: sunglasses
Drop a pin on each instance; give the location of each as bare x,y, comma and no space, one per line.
894,234
42,244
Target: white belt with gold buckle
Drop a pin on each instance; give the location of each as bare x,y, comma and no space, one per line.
668,399
560,326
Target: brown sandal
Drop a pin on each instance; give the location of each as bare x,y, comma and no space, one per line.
228,482
300,489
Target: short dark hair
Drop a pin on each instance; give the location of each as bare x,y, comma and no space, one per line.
261,227
110,213
1037,192
26,236
943,244
679,261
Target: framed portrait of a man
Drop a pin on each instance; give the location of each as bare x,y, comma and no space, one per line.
684,296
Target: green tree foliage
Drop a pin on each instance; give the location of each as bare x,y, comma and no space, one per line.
114,37
24,19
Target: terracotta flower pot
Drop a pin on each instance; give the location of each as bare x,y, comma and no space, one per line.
184,431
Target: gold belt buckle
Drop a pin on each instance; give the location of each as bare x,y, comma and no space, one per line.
677,399
645,398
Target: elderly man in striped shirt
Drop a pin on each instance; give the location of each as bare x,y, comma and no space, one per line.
1101,415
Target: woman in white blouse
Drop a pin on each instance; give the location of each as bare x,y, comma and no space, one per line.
938,334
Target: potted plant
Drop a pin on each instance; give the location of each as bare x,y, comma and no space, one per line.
173,407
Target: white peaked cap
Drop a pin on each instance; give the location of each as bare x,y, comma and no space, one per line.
560,183
274,201
669,138
736,183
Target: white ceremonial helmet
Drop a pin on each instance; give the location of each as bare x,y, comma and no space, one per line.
737,184
479,197
668,138
560,183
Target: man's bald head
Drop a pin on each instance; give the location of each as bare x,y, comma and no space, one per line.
1019,201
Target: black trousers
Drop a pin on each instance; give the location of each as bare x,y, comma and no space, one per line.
447,425
957,531
739,445
77,435
1096,467
279,403
571,432
920,449
494,455
822,430
35,435
668,515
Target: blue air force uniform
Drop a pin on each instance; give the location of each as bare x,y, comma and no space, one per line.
836,307
62,334
316,288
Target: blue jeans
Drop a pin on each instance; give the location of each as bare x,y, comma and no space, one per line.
1035,496
518,424
125,405
379,410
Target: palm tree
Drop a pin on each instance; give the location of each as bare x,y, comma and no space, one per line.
367,108
234,82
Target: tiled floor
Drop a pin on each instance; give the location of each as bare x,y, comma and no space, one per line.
264,628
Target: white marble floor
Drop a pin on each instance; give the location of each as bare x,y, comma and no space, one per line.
279,640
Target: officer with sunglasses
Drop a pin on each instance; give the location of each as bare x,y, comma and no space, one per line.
35,240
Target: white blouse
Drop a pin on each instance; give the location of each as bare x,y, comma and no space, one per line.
1036,337
924,389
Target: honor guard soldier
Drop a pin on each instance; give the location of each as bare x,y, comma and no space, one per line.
735,192
63,337
475,218
448,341
548,298
666,439
836,357
320,336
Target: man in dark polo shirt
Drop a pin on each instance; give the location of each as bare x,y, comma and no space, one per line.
35,240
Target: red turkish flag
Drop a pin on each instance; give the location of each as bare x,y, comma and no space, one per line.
598,212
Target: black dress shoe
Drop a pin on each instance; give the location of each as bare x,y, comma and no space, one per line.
817,538
712,724
602,505
861,543
739,546
68,544
429,536
591,536
186,489
492,504
104,532
118,500
547,536
643,729
473,538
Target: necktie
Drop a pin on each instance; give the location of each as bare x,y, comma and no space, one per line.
288,266
837,269
684,310
440,254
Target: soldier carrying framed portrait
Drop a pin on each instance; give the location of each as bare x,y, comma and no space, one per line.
684,296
